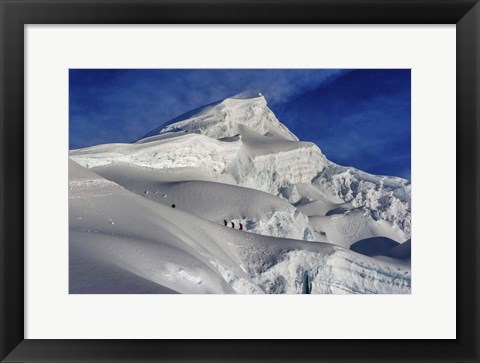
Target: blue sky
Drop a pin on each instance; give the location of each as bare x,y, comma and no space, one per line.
358,118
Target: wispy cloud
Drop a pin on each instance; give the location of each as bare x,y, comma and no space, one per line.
358,118
122,105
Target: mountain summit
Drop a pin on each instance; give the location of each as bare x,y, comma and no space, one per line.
221,120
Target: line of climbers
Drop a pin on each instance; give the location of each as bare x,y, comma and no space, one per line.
233,224
225,222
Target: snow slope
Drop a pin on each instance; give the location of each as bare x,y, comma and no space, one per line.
259,212
135,238
232,161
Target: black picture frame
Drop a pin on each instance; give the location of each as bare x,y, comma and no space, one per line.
15,14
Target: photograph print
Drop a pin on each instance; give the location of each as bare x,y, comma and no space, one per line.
239,181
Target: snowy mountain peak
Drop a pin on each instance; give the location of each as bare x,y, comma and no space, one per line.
221,120
225,199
